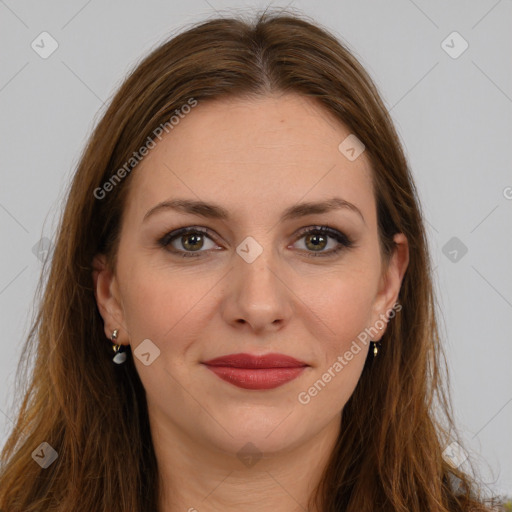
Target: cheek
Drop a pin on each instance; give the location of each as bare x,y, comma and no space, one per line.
342,349
340,309
342,301
347,314
161,304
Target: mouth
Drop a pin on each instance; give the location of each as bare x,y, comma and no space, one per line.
249,371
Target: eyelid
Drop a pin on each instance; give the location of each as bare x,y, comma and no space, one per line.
324,229
176,233
344,241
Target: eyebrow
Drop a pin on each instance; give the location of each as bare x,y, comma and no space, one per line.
213,211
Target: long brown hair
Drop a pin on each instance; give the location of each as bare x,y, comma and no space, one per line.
93,413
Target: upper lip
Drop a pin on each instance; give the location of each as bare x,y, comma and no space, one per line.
254,361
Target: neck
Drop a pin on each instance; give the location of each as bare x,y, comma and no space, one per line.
197,478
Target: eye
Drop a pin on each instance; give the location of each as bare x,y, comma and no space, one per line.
317,238
187,241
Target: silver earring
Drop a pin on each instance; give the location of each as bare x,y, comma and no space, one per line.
120,354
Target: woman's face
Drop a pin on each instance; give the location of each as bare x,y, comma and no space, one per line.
252,280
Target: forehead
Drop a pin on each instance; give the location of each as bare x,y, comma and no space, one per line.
242,153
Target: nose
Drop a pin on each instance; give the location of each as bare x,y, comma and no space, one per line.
257,297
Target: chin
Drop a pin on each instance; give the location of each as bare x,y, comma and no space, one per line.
264,437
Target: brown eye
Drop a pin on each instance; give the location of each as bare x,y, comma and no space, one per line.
316,242
187,241
318,238
192,241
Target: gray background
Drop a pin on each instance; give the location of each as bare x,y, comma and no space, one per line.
453,116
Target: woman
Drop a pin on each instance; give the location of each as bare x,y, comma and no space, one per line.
239,310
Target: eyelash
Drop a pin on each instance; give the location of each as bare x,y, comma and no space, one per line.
343,240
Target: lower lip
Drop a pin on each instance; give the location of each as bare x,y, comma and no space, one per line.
261,378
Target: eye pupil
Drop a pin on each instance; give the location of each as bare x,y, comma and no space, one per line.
195,240
321,240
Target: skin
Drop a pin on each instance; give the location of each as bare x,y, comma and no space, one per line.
255,158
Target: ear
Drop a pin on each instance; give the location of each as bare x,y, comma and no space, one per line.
107,297
390,284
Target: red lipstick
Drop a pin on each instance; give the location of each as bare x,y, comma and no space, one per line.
256,372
